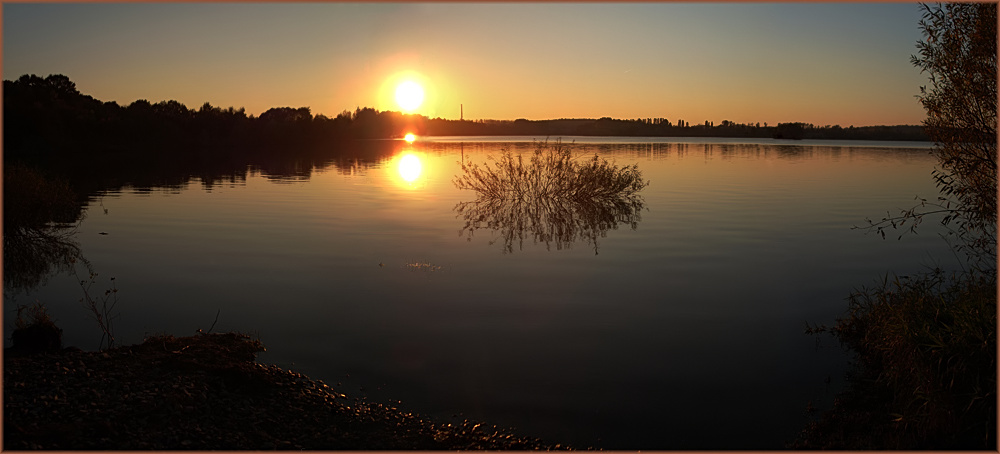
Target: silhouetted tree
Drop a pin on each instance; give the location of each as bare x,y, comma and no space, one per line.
789,131
925,344
286,114
959,54
61,85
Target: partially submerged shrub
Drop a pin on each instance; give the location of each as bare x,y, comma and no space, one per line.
550,197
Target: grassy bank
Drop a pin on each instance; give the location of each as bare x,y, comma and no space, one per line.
924,376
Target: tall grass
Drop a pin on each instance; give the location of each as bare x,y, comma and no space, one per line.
926,346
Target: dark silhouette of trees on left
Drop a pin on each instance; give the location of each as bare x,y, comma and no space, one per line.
38,232
98,146
49,117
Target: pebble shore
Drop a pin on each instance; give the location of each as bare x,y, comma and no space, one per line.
207,392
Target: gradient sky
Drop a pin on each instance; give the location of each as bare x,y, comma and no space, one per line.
820,63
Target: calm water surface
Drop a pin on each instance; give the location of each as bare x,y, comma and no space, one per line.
684,333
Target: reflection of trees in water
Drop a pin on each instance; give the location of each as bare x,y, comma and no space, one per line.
31,254
550,197
37,239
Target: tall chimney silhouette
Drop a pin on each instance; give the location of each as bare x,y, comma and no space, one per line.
461,112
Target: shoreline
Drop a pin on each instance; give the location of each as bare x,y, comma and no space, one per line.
208,392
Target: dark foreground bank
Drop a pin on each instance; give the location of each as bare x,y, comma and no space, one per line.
207,392
925,371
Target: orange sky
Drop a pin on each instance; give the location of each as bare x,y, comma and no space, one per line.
844,64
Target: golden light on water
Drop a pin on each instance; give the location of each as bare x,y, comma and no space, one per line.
409,168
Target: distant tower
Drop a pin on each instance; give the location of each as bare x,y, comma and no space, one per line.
461,112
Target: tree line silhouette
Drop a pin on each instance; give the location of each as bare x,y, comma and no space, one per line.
49,116
661,127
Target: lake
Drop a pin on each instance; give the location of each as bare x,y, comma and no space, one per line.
684,332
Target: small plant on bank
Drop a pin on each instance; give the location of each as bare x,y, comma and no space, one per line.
32,314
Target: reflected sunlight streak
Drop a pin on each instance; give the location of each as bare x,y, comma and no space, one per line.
409,167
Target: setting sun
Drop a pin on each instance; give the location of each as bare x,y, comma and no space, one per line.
410,137
409,95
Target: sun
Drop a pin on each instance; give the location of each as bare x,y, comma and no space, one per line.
409,95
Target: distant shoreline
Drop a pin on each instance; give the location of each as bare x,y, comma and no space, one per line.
578,139
51,117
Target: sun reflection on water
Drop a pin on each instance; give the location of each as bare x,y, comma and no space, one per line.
407,169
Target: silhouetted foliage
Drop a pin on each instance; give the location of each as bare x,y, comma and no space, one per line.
34,331
959,55
794,131
926,345
30,255
924,376
34,200
36,238
551,198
